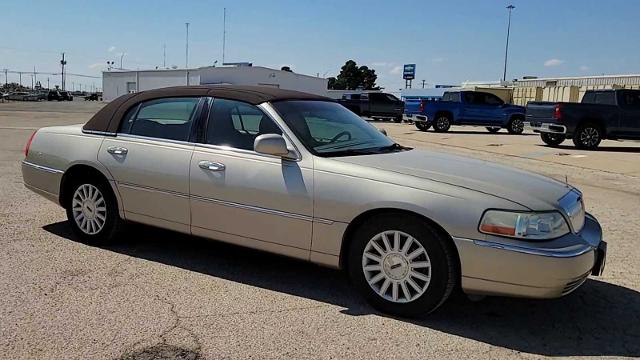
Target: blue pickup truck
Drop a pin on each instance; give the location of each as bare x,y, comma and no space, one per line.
465,108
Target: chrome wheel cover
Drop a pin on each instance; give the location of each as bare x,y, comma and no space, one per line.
396,266
442,122
589,136
89,209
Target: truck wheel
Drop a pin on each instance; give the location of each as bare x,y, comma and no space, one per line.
398,119
493,130
552,139
516,126
442,123
92,211
422,125
401,265
587,136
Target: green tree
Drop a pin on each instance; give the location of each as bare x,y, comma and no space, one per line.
352,77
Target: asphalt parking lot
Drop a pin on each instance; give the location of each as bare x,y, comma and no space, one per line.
157,293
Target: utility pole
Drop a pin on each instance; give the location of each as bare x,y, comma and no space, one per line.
48,83
20,77
164,56
423,83
6,78
186,58
224,32
506,49
73,86
63,62
35,76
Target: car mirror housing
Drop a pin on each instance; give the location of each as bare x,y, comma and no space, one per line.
271,144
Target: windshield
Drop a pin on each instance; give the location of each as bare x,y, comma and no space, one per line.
330,129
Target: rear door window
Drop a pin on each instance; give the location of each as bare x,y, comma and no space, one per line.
606,98
167,118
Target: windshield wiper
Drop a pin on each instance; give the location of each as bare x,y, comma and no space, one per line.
351,152
394,147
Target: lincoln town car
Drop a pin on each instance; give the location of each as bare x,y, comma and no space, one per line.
300,175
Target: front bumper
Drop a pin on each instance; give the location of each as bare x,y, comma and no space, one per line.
541,127
491,267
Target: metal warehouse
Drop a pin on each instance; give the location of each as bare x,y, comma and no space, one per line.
119,82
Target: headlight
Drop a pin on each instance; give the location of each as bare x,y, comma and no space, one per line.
523,225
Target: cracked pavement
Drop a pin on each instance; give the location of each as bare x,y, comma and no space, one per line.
158,294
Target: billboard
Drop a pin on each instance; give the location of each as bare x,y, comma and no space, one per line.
409,72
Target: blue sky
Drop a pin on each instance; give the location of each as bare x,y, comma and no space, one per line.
450,41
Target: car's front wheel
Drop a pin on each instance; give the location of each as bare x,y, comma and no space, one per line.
401,265
92,211
552,139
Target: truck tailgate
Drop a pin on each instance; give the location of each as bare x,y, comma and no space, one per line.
412,106
541,112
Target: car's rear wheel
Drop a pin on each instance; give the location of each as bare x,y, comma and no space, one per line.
422,125
92,211
552,139
401,265
587,136
516,126
493,130
442,123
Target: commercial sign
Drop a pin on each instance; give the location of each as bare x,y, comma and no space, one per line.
409,72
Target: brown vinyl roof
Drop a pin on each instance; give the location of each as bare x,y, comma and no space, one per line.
109,117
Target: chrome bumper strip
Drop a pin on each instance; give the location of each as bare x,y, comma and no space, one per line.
42,168
555,253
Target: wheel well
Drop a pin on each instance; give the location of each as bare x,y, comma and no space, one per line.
597,122
77,172
444,113
360,219
516,116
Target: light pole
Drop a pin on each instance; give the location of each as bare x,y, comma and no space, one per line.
506,49
186,56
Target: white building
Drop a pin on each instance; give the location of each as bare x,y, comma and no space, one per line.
119,82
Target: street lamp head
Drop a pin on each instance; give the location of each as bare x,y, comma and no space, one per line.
511,7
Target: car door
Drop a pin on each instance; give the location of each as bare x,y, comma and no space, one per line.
471,108
380,104
247,198
149,159
629,113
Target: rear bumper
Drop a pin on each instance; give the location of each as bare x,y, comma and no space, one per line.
494,268
541,127
414,118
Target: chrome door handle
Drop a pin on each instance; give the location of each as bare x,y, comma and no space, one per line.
116,150
211,166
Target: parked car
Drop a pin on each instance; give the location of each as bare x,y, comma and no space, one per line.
374,104
602,114
54,95
466,108
66,96
92,97
300,175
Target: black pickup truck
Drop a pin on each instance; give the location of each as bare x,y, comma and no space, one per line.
602,114
374,104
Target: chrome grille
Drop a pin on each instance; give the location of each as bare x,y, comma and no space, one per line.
573,206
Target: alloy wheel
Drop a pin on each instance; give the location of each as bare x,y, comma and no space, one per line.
396,266
589,137
442,122
517,126
89,209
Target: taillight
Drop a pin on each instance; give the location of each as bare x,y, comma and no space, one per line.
421,105
28,145
557,114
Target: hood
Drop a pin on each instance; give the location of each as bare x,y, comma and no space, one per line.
530,190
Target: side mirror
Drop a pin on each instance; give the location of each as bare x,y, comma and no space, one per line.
271,144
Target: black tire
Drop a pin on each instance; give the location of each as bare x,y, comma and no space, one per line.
588,136
398,119
493,130
422,125
516,125
442,123
552,139
443,272
112,224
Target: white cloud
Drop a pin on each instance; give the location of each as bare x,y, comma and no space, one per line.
553,62
111,48
584,68
380,63
437,60
396,70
